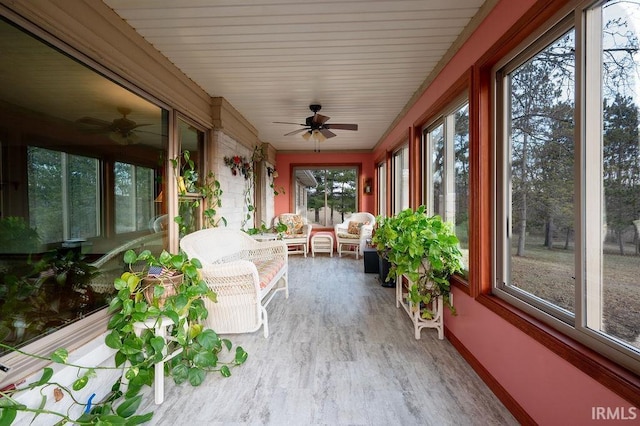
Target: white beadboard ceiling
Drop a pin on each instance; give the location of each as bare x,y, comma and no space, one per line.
362,60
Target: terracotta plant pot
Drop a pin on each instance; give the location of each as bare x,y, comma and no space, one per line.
170,285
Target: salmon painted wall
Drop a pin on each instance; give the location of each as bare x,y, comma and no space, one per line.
551,390
286,162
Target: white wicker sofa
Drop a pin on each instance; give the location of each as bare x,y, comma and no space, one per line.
245,274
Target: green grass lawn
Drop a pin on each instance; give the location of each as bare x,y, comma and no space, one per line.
549,274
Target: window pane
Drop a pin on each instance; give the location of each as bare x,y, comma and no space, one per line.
436,142
461,165
330,194
541,130
83,191
134,191
620,302
45,193
125,193
382,189
145,207
401,180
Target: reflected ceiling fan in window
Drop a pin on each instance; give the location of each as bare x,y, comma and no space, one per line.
316,126
120,130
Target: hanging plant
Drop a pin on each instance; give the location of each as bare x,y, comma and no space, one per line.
239,164
192,191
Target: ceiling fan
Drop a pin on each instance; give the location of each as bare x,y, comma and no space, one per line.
120,130
317,127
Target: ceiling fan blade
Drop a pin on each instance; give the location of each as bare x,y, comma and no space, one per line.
296,132
93,121
285,122
341,126
138,125
320,119
327,133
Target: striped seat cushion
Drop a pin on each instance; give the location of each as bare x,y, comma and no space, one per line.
347,235
267,269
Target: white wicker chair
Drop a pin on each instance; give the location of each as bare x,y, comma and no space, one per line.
354,242
297,241
245,274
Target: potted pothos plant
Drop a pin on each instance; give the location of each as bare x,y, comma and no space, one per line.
423,248
197,348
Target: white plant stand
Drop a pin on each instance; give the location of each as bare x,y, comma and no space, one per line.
436,306
160,327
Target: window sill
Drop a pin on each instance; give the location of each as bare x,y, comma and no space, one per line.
72,337
460,283
614,377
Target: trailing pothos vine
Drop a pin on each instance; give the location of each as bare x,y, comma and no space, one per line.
139,301
192,192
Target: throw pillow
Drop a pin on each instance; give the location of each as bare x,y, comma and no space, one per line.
354,227
294,223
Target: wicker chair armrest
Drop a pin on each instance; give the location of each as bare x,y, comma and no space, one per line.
366,230
240,272
266,250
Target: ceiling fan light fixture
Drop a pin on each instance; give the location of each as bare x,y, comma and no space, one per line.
318,136
316,126
124,139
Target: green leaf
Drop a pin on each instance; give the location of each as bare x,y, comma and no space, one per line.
225,371
140,419
130,257
131,345
204,359
47,373
180,373
120,358
113,340
196,376
80,383
129,406
173,316
227,344
191,271
131,373
7,416
60,356
194,330
115,320
241,355
157,343
208,339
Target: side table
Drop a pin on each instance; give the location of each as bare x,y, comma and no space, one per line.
322,242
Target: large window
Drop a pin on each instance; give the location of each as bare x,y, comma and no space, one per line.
400,179
329,194
81,166
569,178
446,170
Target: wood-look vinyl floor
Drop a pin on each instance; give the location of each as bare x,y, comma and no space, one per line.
339,353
